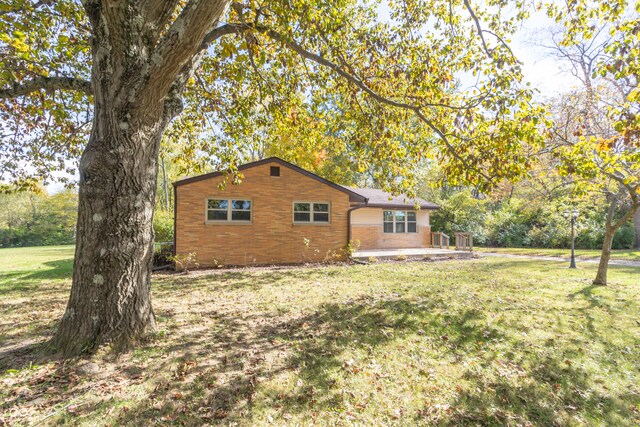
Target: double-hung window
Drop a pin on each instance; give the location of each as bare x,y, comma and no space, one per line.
232,210
310,213
399,222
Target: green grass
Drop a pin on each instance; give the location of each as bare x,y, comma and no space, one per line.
18,260
481,342
619,254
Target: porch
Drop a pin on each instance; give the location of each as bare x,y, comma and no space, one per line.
411,254
439,249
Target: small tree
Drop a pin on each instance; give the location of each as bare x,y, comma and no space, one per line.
185,262
597,127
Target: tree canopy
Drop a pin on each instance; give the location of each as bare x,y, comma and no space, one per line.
378,85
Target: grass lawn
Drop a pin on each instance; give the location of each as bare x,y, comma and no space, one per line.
621,254
492,341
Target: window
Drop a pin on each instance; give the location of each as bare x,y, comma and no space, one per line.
387,219
412,225
275,171
399,222
228,210
308,212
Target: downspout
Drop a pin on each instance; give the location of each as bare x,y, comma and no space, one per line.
175,210
366,202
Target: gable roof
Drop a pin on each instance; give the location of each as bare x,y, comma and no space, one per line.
353,196
382,199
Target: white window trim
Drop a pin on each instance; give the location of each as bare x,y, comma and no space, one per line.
406,221
227,221
311,221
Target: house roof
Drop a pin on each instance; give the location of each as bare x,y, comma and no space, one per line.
381,199
353,196
370,197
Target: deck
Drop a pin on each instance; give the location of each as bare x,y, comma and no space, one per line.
412,253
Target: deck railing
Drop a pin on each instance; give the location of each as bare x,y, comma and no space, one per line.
464,242
439,240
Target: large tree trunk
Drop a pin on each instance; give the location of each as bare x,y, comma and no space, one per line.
110,298
603,266
137,78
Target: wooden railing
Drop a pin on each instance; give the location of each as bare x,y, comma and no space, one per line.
439,240
464,242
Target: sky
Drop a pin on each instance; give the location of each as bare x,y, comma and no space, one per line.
539,68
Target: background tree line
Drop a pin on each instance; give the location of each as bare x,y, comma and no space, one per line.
525,214
37,218
515,217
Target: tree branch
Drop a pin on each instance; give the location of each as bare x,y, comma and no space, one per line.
626,217
481,32
46,83
182,42
296,47
478,27
25,7
240,28
635,200
158,13
223,30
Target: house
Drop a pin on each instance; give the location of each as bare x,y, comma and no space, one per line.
282,214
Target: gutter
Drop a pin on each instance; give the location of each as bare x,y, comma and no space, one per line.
366,201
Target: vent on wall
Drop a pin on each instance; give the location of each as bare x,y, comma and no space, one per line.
275,170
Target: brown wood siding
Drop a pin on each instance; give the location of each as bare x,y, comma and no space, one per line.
271,238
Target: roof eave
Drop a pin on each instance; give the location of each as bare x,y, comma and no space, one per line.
403,206
353,196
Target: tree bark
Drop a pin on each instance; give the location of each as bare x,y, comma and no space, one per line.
603,265
610,229
636,222
136,83
110,298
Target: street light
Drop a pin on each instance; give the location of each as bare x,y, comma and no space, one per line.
574,215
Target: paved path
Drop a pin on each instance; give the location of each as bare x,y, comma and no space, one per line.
409,252
625,263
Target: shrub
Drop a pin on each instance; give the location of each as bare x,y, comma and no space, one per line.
163,226
624,237
185,262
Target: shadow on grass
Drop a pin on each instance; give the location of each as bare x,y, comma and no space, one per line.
231,280
549,393
538,388
16,282
243,350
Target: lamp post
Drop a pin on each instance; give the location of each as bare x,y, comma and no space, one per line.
573,215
